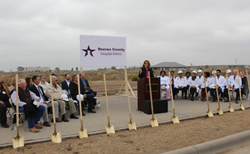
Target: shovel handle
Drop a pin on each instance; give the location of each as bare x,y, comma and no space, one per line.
106,95
172,96
205,86
79,100
151,97
228,90
217,91
53,108
239,87
17,107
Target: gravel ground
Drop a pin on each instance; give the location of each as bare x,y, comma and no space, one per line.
148,140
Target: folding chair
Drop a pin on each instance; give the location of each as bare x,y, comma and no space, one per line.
22,119
8,112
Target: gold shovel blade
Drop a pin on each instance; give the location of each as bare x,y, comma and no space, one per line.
110,129
242,107
220,111
175,120
83,133
132,126
18,142
56,138
154,122
210,114
231,109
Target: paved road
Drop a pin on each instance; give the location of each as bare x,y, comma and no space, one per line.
119,117
245,149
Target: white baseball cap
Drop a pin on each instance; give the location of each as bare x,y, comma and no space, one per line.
194,72
77,97
179,72
199,71
65,97
229,71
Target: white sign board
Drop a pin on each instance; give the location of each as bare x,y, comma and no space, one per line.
102,51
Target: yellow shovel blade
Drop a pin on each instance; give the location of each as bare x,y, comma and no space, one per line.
110,129
132,126
154,122
56,138
18,142
210,114
175,120
231,109
220,111
83,133
242,107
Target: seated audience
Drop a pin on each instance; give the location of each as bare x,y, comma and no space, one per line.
230,80
66,82
193,84
220,85
38,90
201,80
26,97
89,93
164,81
28,82
57,93
235,85
181,84
4,103
208,83
44,84
244,88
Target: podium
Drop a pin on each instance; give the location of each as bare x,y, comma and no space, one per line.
143,91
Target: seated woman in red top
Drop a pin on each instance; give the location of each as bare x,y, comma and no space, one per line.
143,73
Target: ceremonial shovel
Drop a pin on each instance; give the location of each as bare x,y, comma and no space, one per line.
229,97
131,125
55,137
175,119
82,132
241,105
209,113
17,141
110,128
219,109
153,121
247,85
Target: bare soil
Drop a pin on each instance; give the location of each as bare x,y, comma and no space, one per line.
147,140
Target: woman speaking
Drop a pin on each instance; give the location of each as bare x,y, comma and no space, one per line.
143,73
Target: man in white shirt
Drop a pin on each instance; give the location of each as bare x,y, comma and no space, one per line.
201,79
26,97
220,85
207,82
235,85
193,84
181,84
44,84
230,80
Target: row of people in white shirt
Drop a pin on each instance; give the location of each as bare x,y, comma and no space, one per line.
186,82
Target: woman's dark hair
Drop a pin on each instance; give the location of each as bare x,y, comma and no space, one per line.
208,74
188,73
163,71
28,81
145,62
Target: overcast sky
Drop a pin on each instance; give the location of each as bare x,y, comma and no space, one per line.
46,32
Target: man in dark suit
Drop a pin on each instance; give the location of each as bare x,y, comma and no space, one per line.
38,90
66,82
89,94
